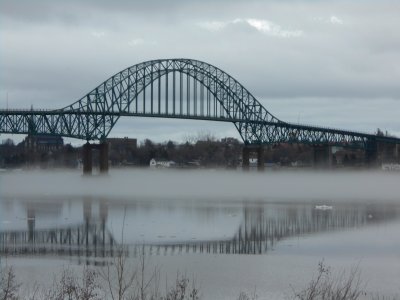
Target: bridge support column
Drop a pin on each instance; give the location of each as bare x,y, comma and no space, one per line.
103,158
322,156
387,152
371,153
260,158
87,159
246,158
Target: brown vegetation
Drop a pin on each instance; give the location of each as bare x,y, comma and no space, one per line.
120,280
328,287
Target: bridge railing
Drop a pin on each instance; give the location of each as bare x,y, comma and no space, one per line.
18,110
326,128
299,126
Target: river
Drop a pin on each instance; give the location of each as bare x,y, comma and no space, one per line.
229,231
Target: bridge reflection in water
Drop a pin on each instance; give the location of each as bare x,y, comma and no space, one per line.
260,227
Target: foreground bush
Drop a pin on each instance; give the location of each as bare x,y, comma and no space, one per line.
117,280
328,287
9,287
120,280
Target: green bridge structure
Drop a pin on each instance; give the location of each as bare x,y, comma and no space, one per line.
182,89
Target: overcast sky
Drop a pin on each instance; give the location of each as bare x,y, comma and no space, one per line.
329,63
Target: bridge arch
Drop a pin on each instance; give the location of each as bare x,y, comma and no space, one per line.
199,91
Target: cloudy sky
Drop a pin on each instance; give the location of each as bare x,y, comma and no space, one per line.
329,63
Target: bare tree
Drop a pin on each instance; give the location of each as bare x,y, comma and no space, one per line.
328,287
181,290
119,275
68,286
89,289
144,282
245,296
8,284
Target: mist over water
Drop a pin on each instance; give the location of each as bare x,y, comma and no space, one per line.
207,184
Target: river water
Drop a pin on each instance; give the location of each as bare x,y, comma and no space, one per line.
230,231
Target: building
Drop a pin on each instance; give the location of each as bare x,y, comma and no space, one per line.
161,163
43,143
391,167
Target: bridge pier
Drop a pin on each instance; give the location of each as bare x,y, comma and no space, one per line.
103,147
322,156
371,153
246,158
387,152
247,150
88,157
260,158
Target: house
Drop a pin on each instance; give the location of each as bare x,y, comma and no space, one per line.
161,163
391,167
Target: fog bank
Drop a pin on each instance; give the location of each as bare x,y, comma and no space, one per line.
206,184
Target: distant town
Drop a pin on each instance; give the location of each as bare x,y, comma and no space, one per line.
49,152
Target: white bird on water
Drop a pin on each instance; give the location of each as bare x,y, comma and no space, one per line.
323,207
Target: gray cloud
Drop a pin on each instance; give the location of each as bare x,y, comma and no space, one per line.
316,53
263,26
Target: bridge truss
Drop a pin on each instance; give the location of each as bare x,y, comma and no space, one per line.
174,88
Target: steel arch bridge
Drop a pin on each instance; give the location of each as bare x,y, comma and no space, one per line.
174,88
